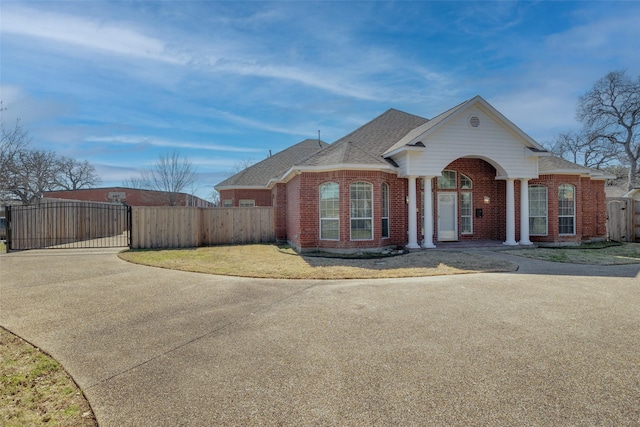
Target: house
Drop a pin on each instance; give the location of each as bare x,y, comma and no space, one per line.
129,196
404,180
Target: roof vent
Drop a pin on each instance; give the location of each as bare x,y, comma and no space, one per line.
474,121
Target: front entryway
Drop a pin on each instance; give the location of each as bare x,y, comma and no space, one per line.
447,216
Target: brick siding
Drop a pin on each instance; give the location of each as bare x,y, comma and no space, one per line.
298,217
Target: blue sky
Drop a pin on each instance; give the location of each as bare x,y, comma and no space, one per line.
119,83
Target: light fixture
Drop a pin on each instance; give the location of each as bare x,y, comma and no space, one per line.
487,200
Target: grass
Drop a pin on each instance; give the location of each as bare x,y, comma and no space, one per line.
36,391
596,253
281,262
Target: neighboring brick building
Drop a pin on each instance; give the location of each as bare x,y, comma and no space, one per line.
366,191
130,196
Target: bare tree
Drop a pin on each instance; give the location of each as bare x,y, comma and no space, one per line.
12,142
75,174
31,173
170,175
610,112
585,149
240,166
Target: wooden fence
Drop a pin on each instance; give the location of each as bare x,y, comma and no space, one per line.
623,219
190,227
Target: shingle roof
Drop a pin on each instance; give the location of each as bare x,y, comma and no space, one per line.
424,127
550,164
366,144
259,174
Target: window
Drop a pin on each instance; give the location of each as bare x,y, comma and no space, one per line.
361,212
247,203
227,203
385,210
329,211
447,181
465,182
566,209
466,210
537,210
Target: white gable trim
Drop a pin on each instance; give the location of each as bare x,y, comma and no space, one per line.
423,132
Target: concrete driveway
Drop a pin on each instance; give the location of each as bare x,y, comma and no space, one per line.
153,347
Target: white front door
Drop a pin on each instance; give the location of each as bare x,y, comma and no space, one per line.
447,216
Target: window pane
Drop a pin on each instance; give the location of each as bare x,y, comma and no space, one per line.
329,229
565,225
537,225
385,210
385,227
465,182
447,181
566,209
537,210
361,229
329,211
361,211
465,213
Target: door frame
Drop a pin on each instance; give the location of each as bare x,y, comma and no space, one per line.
442,238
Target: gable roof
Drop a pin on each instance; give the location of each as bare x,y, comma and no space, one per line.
441,120
273,167
559,166
366,144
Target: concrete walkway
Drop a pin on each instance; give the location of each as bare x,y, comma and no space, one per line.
552,344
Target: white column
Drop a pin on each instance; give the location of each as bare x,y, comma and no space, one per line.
413,216
427,243
524,212
511,213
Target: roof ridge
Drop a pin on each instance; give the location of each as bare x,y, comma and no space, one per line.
379,117
353,144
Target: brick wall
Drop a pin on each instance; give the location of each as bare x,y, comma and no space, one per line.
590,206
298,218
307,235
131,196
261,197
279,198
293,212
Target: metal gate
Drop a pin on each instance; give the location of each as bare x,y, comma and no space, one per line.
64,225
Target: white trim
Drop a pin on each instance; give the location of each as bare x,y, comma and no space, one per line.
413,220
511,214
427,201
524,212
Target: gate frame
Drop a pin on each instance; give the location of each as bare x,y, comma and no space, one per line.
77,244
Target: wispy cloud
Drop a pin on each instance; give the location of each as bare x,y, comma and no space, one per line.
88,33
157,142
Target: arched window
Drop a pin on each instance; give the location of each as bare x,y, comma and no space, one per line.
566,209
385,210
361,211
329,211
465,182
537,210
